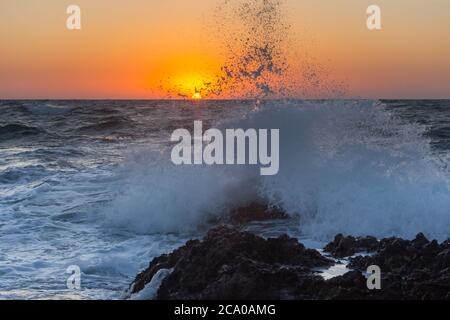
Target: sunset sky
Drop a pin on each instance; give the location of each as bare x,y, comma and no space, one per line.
125,49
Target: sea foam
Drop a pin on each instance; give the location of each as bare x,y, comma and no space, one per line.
345,166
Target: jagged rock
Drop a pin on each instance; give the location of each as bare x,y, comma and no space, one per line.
229,264
166,261
349,286
342,246
256,212
416,269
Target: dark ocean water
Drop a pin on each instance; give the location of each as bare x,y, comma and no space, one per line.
90,183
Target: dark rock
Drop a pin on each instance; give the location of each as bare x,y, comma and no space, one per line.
256,212
230,264
342,246
443,259
166,261
420,241
350,286
413,269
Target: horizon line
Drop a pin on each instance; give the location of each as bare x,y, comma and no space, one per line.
206,99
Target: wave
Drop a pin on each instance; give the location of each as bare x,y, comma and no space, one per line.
23,174
354,168
107,124
13,131
41,108
160,197
345,167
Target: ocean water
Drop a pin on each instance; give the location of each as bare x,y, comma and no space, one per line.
90,183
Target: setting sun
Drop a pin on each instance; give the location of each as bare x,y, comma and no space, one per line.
196,96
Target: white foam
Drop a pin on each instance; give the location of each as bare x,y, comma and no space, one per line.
151,289
161,197
345,167
350,167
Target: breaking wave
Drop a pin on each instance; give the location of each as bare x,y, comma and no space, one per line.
345,167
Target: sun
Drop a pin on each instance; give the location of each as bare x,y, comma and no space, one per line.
196,96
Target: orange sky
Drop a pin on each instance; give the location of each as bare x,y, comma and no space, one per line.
126,48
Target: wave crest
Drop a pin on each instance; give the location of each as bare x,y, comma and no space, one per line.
345,167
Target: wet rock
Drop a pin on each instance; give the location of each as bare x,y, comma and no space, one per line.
166,261
229,264
349,286
342,246
256,212
443,259
415,269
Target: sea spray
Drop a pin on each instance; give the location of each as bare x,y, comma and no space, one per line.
253,37
345,166
158,196
350,167
234,147
262,57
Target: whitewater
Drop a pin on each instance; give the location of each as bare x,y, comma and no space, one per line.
91,183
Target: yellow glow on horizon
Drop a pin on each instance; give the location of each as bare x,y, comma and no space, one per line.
189,85
197,96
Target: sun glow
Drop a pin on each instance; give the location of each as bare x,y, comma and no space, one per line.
191,86
196,96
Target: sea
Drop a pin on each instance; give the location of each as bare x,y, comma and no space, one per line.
90,183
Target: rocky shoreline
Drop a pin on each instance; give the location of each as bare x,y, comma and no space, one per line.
231,264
